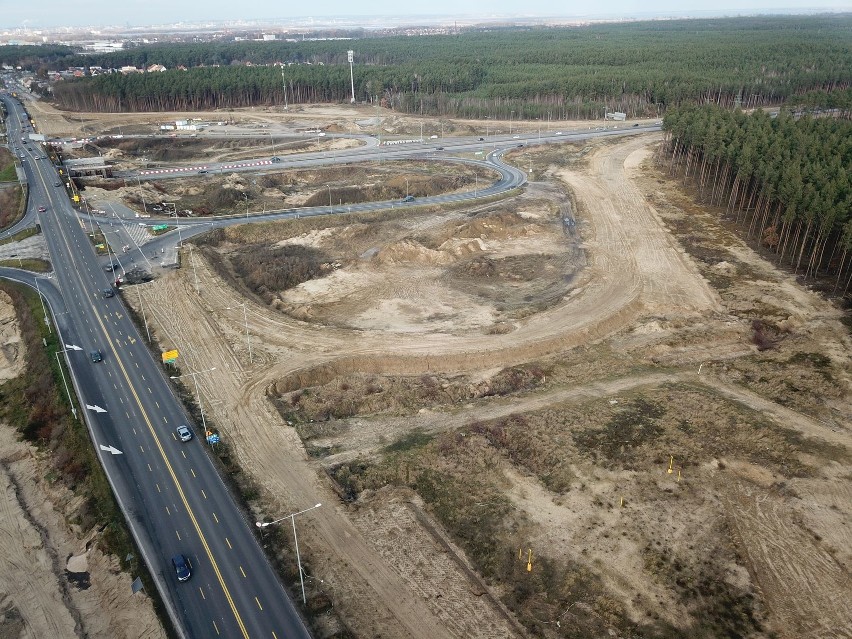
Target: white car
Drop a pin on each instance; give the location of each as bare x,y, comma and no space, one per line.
184,433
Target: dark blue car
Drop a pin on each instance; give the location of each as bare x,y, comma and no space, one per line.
181,566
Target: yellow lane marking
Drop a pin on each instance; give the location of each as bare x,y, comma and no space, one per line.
165,458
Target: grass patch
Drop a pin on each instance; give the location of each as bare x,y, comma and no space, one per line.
39,266
634,426
12,202
8,174
20,235
413,439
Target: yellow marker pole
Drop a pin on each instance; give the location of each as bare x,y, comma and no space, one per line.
529,561
622,502
678,474
671,464
520,553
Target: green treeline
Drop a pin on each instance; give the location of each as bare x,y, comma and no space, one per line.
547,73
787,180
34,57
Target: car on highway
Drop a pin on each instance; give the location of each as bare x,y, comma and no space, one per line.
408,198
482,139
41,209
203,171
96,356
181,566
275,158
559,133
110,267
184,433
440,148
515,137
520,145
108,292
57,183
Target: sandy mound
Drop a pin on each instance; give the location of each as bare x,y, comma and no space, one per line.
12,350
410,252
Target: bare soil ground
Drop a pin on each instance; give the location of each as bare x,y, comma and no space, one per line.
235,193
486,457
409,344
54,580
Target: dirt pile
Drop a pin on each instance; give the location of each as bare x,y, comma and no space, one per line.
12,352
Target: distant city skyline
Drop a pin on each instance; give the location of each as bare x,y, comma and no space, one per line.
53,14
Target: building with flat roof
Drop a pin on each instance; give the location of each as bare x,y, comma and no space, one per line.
88,167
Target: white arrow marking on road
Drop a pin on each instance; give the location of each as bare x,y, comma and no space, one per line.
73,347
112,450
96,408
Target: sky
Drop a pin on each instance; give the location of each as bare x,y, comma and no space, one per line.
58,13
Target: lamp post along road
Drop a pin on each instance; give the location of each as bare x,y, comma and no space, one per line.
197,393
68,347
292,518
41,299
248,339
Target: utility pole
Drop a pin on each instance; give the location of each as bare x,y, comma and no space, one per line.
351,56
284,82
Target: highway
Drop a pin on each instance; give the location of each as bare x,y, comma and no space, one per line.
172,496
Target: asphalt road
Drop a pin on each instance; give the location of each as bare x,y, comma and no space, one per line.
172,496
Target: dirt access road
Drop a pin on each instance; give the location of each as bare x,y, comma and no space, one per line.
630,254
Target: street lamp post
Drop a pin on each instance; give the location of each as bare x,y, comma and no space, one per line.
41,299
292,518
174,213
72,347
245,318
197,393
142,195
194,271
